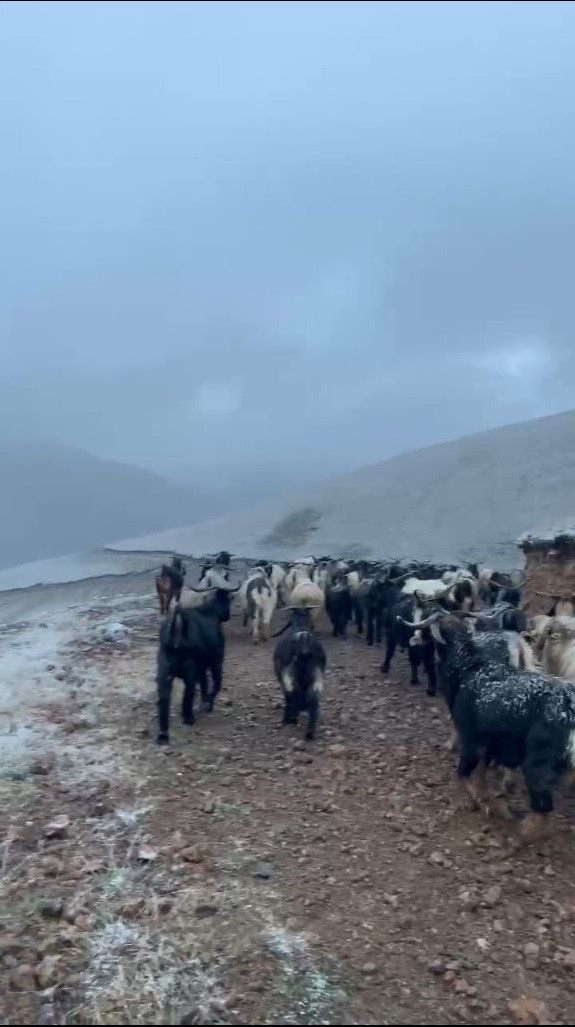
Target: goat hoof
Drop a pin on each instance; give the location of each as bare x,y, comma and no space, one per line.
163,738
432,692
189,721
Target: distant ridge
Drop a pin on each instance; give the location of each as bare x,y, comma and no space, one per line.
466,499
56,499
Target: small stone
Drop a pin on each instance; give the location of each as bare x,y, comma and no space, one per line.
58,942
437,968
165,906
437,859
204,910
469,901
51,909
208,805
369,968
337,751
193,854
22,978
52,867
131,910
40,767
147,854
47,972
528,1011
263,872
531,952
493,896
58,827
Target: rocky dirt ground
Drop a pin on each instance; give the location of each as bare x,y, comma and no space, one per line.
244,877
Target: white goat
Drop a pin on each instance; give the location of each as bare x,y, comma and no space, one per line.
558,642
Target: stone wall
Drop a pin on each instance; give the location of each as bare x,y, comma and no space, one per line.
549,574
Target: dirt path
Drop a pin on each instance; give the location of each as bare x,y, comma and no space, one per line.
246,878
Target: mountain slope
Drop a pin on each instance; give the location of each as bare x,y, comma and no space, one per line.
469,498
55,500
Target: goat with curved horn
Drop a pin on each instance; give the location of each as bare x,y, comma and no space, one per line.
422,624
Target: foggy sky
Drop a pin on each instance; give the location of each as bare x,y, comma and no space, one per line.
325,232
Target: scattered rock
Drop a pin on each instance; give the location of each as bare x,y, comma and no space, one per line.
437,968
41,766
337,751
531,952
263,871
208,805
52,867
114,631
165,906
204,910
528,1011
132,909
147,854
369,968
22,978
82,722
493,896
58,942
47,972
469,901
58,828
193,854
51,909
438,859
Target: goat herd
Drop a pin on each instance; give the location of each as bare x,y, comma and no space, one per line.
465,626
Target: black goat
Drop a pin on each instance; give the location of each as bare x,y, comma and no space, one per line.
339,606
403,630
192,643
505,717
299,664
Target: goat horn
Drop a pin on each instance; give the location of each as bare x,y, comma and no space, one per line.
423,623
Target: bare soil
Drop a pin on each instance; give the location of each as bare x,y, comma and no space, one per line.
246,877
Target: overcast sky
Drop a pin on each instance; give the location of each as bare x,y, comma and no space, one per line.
322,231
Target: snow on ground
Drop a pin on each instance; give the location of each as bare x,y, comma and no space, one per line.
38,668
26,653
76,567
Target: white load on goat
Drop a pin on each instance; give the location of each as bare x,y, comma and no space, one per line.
298,573
308,596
